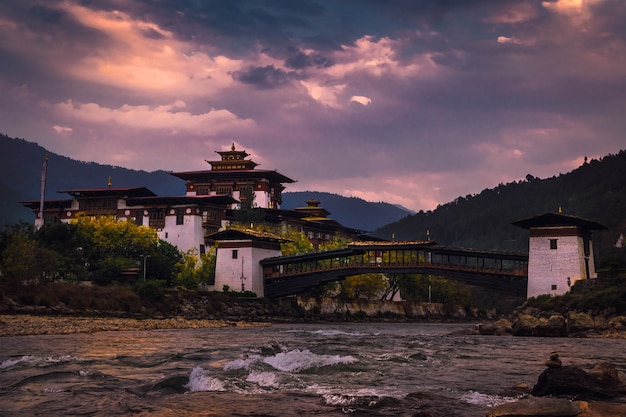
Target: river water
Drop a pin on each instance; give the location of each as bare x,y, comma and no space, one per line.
282,370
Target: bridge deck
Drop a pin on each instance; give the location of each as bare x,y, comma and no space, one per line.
504,271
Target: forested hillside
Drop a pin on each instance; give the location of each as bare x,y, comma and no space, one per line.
596,191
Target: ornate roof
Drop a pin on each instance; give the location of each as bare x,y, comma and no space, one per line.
246,234
216,175
109,192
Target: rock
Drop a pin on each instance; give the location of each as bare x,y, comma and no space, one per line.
609,377
533,407
574,382
504,326
618,323
598,409
554,361
525,325
529,325
579,322
488,329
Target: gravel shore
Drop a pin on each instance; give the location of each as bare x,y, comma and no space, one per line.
21,325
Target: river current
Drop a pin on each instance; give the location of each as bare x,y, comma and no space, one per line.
281,370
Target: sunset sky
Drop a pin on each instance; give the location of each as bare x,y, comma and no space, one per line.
414,102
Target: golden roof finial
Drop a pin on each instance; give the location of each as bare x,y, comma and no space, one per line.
110,182
233,147
560,209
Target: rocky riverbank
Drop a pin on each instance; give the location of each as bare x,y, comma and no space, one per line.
21,324
571,391
538,323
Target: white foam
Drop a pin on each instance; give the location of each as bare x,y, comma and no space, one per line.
241,363
263,379
9,363
298,360
200,380
38,360
478,398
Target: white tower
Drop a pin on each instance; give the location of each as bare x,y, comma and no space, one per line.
238,255
560,252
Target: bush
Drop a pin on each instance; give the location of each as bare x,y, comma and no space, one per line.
151,290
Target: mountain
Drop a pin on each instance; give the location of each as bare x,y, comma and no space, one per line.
349,211
596,191
20,178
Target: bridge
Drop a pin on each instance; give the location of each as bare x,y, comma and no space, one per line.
505,272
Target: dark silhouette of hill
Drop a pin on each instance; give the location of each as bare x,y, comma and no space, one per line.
20,178
596,190
349,211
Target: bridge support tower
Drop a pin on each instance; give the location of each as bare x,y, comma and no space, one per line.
560,252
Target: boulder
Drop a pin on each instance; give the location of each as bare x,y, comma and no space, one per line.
618,323
504,326
599,409
529,325
533,407
573,382
525,325
579,322
609,377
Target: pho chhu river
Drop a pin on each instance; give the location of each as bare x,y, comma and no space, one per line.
282,370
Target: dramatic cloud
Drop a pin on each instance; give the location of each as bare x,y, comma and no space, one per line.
409,102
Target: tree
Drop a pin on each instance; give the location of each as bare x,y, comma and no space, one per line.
62,240
187,277
248,214
109,246
368,286
432,288
297,243
194,270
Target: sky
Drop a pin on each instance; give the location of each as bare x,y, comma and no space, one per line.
410,102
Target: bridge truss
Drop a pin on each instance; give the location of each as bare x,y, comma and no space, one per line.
502,271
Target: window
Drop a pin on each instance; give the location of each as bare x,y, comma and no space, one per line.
553,287
202,190
235,253
553,243
180,217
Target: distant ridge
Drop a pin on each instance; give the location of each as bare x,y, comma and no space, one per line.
20,174
351,212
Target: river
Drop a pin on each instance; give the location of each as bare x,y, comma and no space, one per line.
283,370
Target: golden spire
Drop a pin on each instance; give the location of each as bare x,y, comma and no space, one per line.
232,148
110,182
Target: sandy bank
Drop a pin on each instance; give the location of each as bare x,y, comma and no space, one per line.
19,325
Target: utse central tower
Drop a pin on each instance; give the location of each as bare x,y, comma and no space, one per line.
233,175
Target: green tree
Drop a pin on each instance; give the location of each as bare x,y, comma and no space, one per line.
432,288
206,269
62,240
108,246
297,243
368,286
248,215
187,276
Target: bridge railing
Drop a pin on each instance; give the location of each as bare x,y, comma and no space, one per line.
377,264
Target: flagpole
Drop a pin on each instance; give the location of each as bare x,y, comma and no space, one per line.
44,171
